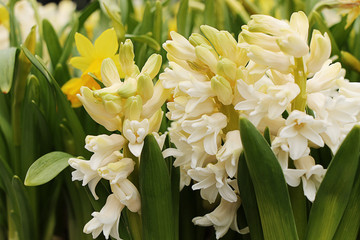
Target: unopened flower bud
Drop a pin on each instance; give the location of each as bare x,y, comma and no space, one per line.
320,50
293,45
222,88
145,87
227,68
197,39
207,55
126,56
109,72
128,88
133,108
152,65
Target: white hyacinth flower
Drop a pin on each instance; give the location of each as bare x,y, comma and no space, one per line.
83,172
299,128
135,132
230,152
206,129
107,220
313,176
117,171
222,218
128,194
212,180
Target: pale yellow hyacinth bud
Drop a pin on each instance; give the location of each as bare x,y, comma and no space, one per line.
293,45
223,41
133,108
112,103
227,68
128,88
126,56
152,65
155,121
222,88
261,39
320,50
109,72
300,24
197,39
145,87
207,55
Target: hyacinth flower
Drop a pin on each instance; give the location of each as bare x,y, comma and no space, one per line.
132,107
269,71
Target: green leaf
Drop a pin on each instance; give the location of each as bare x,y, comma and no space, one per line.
158,22
151,42
52,42
248,200
7,66
155,192
350,222
209,13
91,7
69,43
334,191
116,22
46,168
272,196
181,18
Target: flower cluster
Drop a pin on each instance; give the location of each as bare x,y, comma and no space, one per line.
132,106
271,76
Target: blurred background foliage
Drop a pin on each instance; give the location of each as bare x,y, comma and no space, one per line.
36,118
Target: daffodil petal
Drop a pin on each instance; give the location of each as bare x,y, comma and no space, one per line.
84,46
81,63
106,44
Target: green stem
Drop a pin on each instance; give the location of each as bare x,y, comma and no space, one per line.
232,116
299,103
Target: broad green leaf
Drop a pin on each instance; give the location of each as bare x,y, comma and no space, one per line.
248,200
272,196
350,222
158,22
147,20
52,42
209,13
22,72
7,66
28,223
155,192
64,107
46,168
151,42
334,191
181,18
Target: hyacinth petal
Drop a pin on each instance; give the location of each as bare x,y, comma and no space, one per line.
135,148
210,144
300,23
84,46
298,146
292,176
106,44
313,136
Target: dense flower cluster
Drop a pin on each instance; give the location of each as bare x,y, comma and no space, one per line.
131,106
271,76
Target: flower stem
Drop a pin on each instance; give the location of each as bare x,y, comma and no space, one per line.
299,103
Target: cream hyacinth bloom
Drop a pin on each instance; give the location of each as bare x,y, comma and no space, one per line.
272,76
132,107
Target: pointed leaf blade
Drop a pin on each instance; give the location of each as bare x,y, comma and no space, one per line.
46,168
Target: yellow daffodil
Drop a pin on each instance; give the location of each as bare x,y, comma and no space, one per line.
72,88
105,46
